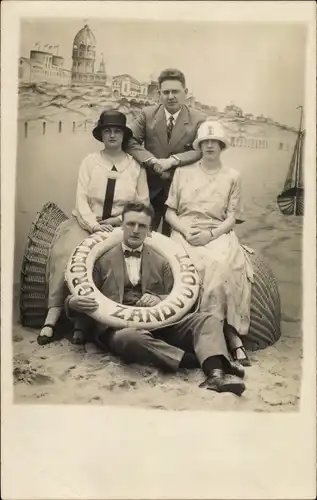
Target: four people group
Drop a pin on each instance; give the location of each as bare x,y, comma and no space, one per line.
165,169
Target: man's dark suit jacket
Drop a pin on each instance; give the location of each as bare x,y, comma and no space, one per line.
156,275
150,139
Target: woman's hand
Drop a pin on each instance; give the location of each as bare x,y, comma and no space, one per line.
199,237
189,233
112,221
83,304
106,228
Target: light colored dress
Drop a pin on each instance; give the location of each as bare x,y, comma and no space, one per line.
131,184
205,201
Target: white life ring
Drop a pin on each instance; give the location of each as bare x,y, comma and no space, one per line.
182,297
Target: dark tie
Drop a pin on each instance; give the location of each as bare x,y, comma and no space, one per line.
132,253
170,126
107,206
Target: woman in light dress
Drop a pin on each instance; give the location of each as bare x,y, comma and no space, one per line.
203,207
106,181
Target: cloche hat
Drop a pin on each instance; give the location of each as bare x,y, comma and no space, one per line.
211,130
111,118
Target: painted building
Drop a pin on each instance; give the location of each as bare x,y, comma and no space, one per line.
152,91
84,59
233,111
143,90
127,86
43,67
190,100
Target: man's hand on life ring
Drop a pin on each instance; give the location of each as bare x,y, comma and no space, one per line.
148,300
83,304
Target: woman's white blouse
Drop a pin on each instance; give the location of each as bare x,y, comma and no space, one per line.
94,172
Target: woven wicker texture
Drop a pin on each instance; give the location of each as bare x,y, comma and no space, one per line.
265,307
265,301
33,291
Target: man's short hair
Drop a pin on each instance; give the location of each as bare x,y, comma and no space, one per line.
138,206
172,74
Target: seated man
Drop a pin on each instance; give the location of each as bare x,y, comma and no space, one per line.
132,273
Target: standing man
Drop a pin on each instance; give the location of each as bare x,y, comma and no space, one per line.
162,139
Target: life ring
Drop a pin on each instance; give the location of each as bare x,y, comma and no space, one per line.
184,294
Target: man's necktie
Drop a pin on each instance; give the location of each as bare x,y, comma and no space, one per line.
107,206
132,253
170,126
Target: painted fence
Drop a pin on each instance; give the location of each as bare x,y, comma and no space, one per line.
67,126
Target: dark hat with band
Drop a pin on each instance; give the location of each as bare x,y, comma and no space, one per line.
111,118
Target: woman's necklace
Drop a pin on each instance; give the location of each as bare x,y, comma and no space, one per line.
118,158
208,172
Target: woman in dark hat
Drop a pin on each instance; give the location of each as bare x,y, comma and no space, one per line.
106,181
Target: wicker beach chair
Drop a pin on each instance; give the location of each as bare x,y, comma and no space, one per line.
33,290
265,307
265,300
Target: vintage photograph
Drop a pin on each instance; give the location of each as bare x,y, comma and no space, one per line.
159,214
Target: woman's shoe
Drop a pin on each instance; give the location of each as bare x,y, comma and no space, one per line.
243,361
236,369
45,339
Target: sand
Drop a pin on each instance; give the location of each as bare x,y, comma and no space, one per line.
65,374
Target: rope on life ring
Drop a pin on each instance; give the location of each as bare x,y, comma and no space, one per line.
184,294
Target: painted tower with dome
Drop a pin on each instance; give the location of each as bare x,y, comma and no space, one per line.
84,59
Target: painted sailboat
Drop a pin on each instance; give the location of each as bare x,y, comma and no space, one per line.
291,200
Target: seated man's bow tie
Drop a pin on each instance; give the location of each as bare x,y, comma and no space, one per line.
132,253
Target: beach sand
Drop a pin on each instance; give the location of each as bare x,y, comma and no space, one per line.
61,373
65,374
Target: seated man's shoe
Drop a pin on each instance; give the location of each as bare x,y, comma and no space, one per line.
220,382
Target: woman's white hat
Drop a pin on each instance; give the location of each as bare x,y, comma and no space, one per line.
211,130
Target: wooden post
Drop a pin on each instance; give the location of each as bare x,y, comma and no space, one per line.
74,126
60,127
25,129
44,127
